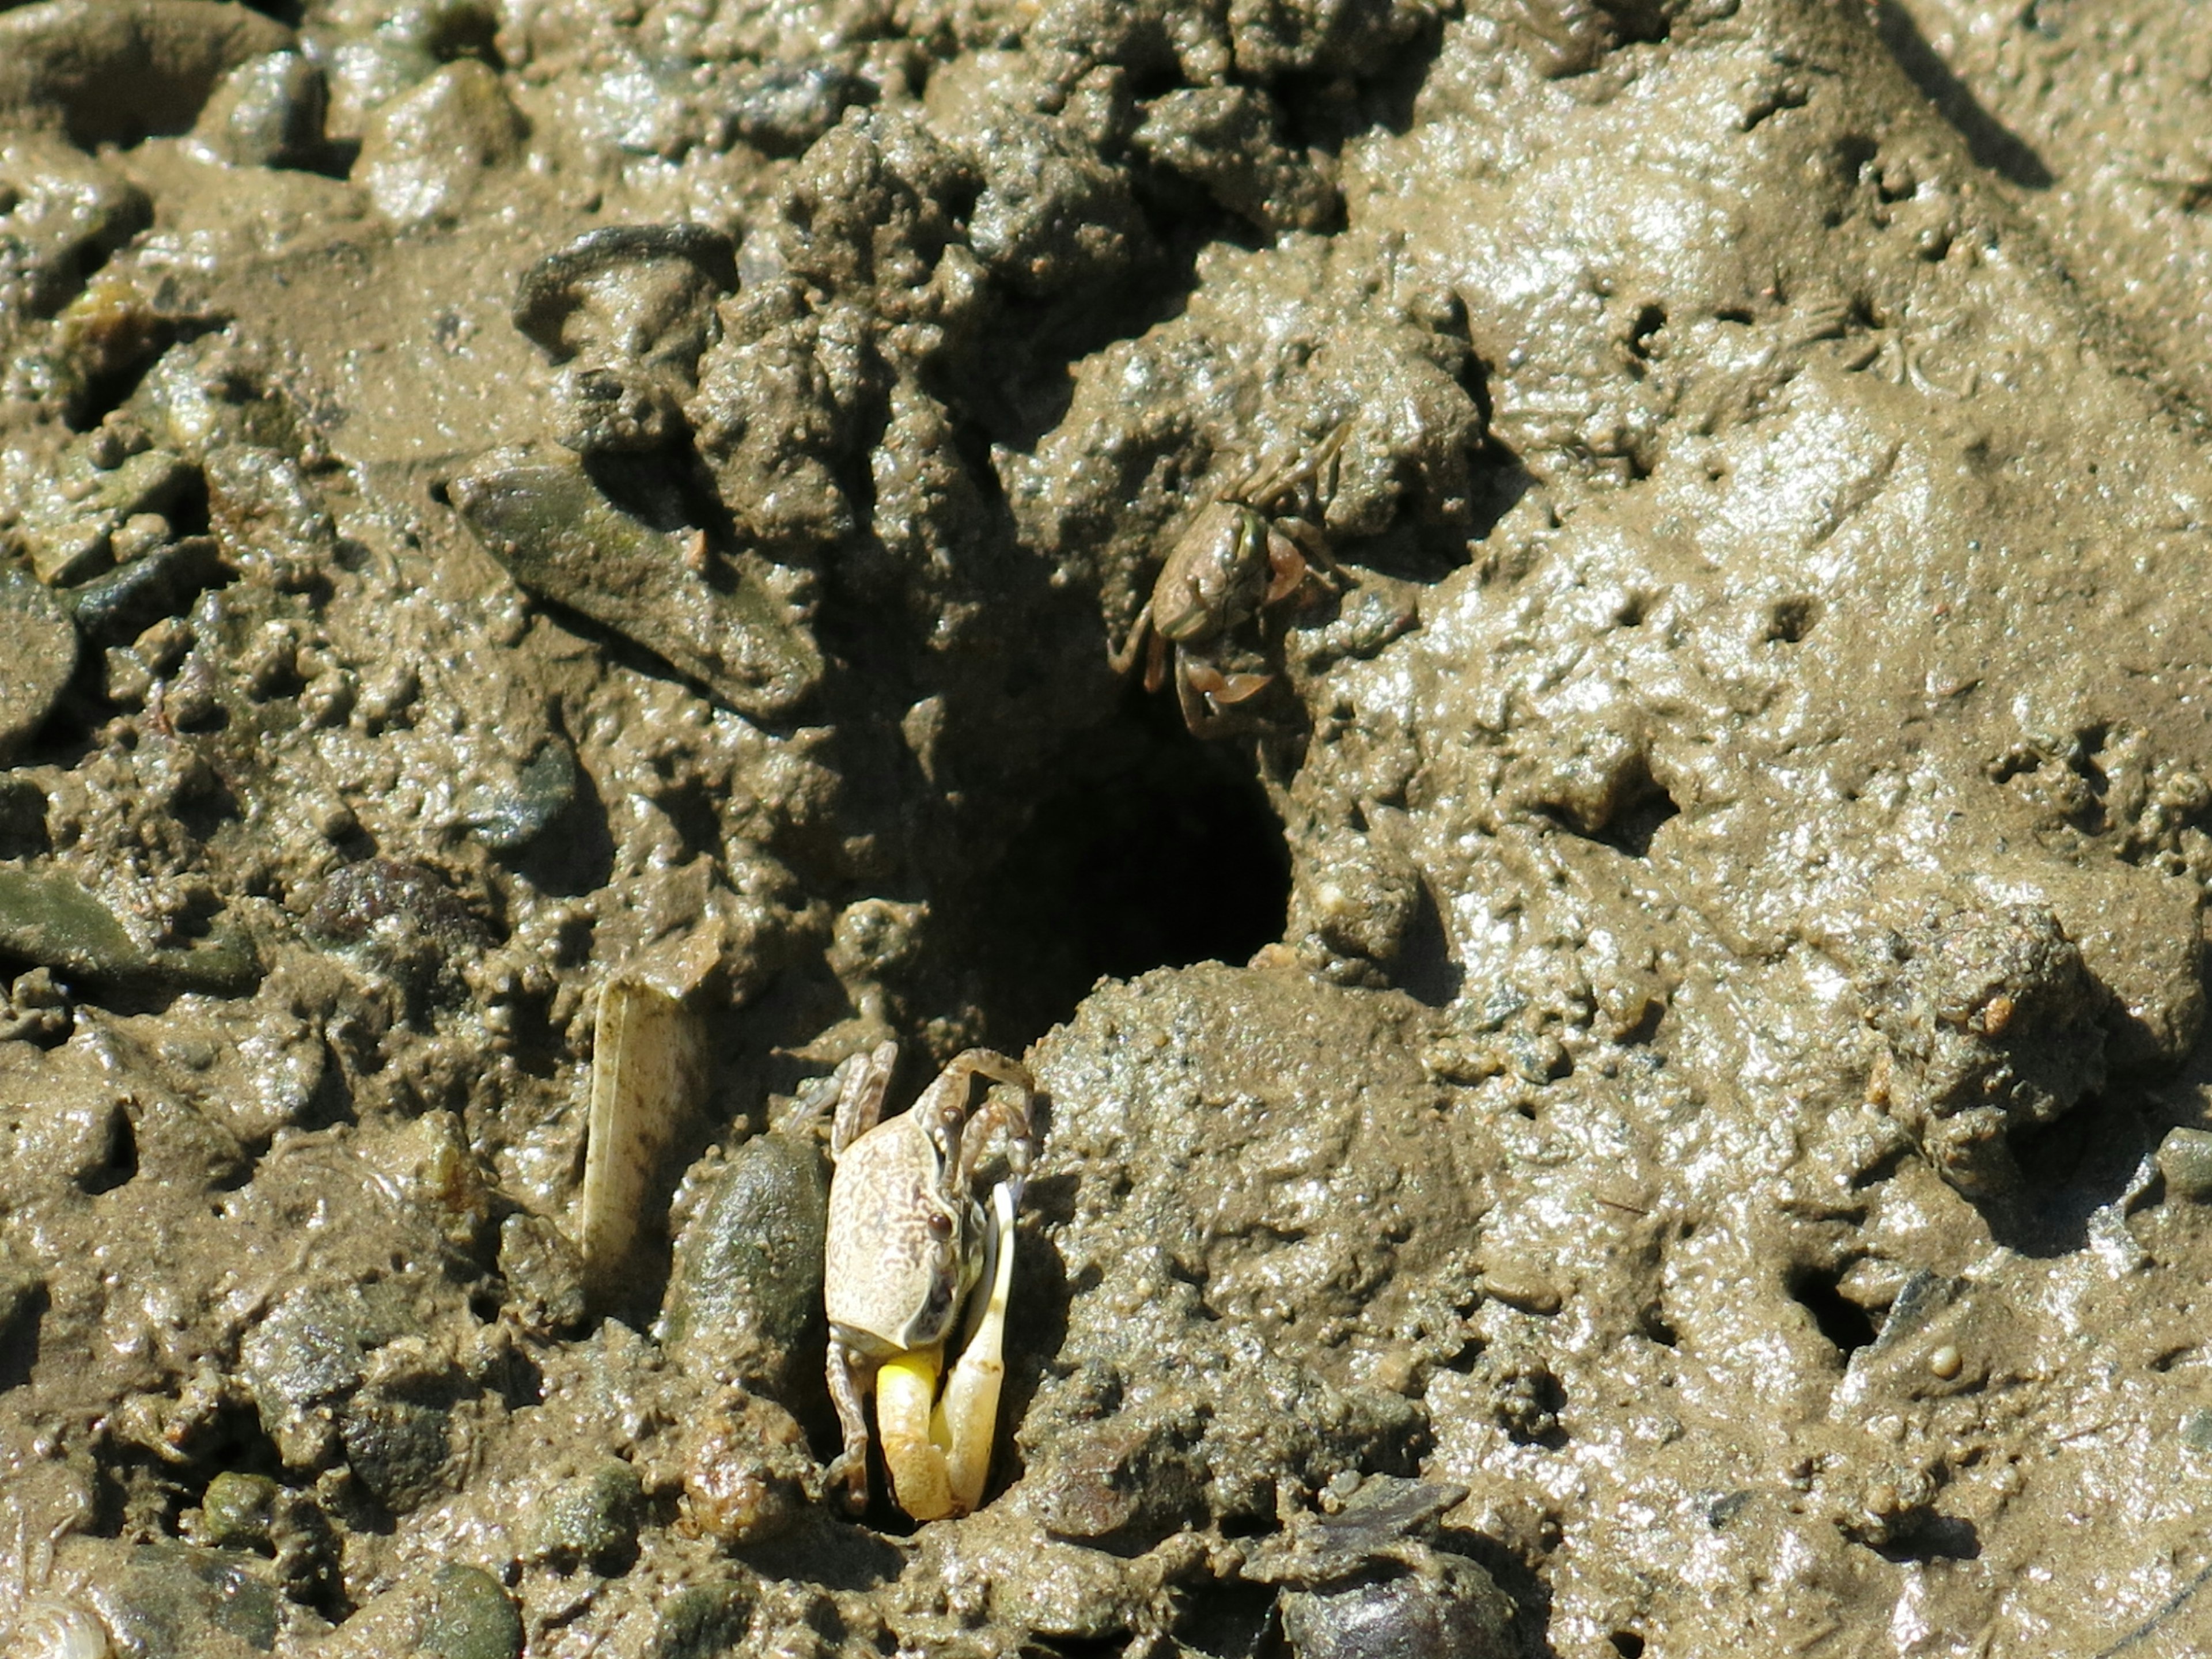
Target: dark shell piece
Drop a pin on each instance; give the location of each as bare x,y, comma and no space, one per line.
1385,1513
355,899
554,288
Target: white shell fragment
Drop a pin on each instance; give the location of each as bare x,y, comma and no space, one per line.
46,1627
648,1078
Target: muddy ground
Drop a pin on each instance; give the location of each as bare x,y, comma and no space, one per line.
1641,1094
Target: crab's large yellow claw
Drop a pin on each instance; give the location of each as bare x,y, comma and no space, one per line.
966,1420
938,1450
906,1387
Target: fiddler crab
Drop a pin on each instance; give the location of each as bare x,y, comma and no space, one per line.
909,1248
1241,554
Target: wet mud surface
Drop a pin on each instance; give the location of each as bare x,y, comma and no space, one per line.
1636,1088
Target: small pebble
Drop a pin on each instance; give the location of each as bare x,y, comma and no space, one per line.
1945,1362
2184,1158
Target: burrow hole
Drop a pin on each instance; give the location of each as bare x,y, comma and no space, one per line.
1152,849
1845,1324
119,1160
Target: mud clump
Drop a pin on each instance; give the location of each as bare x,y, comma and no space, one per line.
1702,1143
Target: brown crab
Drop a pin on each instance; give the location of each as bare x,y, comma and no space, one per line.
1242,554
907,1245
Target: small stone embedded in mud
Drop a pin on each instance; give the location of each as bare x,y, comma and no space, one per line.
2184,1158
471,1616
590,1520
1371,1581
508,819
540,515
49,917
744,1297
424,151
183,1598
701,1621
781,108
265,113
235,1511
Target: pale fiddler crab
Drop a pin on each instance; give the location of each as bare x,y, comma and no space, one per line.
1242,554
907,1245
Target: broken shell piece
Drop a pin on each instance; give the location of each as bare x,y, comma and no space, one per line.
628,291
648,1078
48,1628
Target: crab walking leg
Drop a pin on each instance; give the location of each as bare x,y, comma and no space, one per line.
849,1468
905,1389
966,1419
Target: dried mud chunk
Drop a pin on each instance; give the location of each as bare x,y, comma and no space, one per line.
65,214
781,108
1230,141
72,517
51,919
771,426
266,114
749,1473
1220,1130
1052,216
113,71
541,516
631,308
1990,1023
745,1297
38,656
424,152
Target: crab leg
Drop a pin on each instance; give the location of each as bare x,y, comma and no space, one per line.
848,1470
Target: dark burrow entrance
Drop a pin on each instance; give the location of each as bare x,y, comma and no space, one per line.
1153,849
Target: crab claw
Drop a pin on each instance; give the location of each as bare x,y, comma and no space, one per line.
940,1455
967,1418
